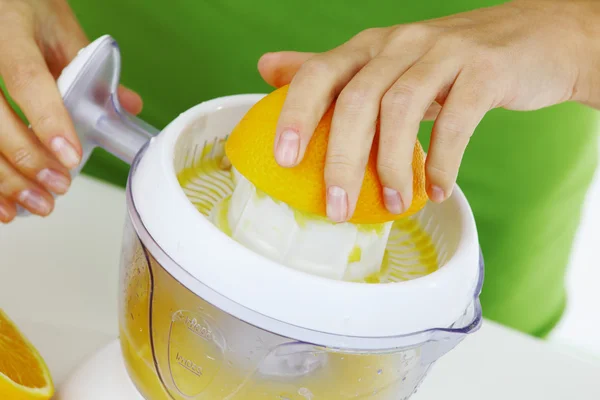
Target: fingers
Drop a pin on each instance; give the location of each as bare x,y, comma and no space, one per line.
432,112
33,88
353,128
311,93
28,157
69,33
403,107
17,189
8,211
278,69
36,161
471,96
130,100
313,89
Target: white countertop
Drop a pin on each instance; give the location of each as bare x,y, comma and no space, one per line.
58,281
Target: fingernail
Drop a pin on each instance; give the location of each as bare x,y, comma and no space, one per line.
65,152
35,202
337,204
54,180
436,194
393,201
4,214
288,146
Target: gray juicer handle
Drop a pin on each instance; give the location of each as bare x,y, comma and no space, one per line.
89,86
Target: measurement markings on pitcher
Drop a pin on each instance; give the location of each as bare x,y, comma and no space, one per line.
188,364
195,326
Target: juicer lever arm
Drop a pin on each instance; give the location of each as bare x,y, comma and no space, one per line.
120,133
89,86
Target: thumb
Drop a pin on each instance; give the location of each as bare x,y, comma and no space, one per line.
278,69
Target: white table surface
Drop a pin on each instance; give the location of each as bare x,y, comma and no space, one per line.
58,281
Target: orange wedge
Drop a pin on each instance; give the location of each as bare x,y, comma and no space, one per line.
23,373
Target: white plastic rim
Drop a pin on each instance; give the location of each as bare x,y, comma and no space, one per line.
218,267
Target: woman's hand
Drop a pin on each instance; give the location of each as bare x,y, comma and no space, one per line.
38,38
523,55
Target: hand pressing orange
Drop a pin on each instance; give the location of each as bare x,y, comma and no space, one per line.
249,148
522,55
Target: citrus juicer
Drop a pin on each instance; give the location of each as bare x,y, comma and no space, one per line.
214,306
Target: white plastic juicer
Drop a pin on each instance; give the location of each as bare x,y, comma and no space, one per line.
203,316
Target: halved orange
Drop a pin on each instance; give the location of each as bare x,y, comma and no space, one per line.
23,373
250,150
